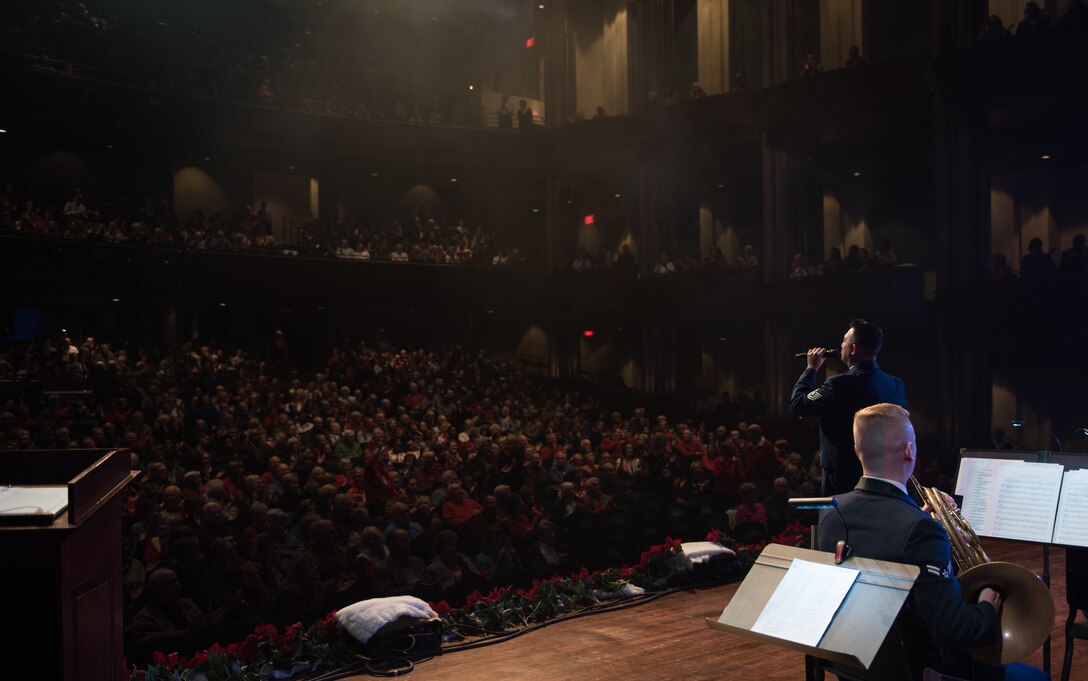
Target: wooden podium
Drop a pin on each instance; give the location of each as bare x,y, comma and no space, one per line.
857,639
60,578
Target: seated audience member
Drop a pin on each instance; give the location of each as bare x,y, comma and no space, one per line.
748,257
856,58
992,29
165,614
1076,12
835,265
798,270
779,512
884,257
542,558
1036,264
453,570
760,459
750,510
1034,20
664,265
811,66
459,509
999,269
402,573
401,519
498,561
1073,259
303,589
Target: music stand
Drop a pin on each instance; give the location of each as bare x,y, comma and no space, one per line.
856,636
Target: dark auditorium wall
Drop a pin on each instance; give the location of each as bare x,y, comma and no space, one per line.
899,30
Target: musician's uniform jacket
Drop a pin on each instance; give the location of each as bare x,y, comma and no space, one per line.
835,403
886,524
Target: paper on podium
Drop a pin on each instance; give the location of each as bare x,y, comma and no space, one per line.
48,500
805,601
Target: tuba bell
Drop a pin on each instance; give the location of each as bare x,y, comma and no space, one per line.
1027,612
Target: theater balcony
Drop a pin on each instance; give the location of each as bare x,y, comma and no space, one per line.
874,104
84,273
703,131
1024,324
897,293
89,105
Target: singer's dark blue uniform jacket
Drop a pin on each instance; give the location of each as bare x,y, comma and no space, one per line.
886,524
835,402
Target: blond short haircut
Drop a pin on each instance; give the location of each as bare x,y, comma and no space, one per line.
874,426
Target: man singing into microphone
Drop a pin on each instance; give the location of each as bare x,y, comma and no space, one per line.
840,397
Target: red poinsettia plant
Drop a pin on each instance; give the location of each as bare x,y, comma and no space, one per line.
263,651
795,534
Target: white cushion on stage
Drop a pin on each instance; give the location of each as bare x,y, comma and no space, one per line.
364,618
701,551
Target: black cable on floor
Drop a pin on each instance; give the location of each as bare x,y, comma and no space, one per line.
592,610
367,665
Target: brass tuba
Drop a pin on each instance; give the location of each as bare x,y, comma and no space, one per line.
1027,612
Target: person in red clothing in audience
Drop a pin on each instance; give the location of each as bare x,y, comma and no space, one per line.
760,460
725,470
459,510
750,510
688,444
381,488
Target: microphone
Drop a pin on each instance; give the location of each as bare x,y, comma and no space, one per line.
828,352
843,549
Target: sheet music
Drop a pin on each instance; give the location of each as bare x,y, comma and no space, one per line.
805,602
1010,499
1071,523
49,500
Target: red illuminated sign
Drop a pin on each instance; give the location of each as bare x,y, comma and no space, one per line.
529,42
589,219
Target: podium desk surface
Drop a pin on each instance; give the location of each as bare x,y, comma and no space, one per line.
92,477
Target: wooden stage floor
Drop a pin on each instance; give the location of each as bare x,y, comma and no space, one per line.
667,639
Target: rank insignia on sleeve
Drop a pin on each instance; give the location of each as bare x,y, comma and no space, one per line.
815,395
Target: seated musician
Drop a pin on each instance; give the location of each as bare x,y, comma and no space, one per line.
886,524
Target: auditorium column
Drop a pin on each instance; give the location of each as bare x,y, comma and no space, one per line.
553,223
962,213
559,81
789,215
656,232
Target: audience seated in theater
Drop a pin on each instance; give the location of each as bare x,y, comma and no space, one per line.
292,482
